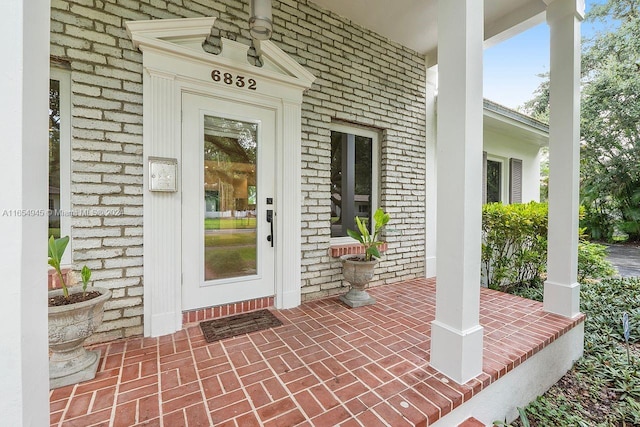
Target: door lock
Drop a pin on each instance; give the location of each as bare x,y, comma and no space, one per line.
270,221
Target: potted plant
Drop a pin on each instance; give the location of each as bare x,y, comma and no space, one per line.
358,269
74,314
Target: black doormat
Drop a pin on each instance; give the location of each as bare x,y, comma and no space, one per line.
227,327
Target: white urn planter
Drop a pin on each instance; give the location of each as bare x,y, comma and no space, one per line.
358,273
69,326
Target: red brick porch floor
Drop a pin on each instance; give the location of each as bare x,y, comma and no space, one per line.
328,365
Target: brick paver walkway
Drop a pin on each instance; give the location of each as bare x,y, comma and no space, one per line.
327,365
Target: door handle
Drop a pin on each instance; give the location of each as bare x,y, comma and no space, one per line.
270,221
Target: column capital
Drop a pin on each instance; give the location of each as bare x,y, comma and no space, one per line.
557,9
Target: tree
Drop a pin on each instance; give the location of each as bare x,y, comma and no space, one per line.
610,122
538,107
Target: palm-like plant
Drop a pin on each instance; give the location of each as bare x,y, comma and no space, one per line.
368,240
56,251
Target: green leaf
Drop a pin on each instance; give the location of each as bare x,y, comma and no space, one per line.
363,229
523,417
86,276
381,218
56,248
373,251
355,235
368,240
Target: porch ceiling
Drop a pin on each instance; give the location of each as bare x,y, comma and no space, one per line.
413,23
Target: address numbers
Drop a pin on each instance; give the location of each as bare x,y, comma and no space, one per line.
231,80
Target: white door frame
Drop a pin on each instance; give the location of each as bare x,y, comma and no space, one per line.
173,63
197,292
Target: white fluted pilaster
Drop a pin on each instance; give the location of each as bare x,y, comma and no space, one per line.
288,273
162,215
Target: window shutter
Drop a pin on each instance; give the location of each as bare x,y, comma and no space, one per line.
515,181
484,177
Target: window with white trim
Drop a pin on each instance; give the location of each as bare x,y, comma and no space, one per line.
60,156
354,178
502,179
494,181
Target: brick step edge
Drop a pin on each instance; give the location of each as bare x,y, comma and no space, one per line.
471,422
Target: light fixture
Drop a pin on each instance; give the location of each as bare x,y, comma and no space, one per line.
260,25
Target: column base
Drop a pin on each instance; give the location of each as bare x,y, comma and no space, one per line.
562,299
457,354
288,299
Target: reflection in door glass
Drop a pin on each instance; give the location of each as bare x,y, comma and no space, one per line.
230,194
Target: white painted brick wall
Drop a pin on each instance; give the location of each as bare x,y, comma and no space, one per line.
362,78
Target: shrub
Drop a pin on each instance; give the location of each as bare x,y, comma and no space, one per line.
592,262
514,248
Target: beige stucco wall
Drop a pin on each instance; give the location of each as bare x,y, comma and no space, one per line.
503,146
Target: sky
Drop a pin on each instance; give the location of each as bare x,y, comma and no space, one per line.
511,67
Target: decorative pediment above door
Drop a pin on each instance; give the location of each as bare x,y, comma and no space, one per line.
174,65
185,37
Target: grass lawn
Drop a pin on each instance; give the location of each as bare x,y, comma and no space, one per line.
230,261
603,388
231,239
227,223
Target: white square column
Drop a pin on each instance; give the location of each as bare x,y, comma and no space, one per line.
456,334
562,290
24,84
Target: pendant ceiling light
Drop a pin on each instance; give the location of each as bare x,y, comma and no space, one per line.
260,25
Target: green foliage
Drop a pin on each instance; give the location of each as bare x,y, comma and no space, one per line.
629,411
538,107
603,372
544,174
523,419
610,122
229,223
599,219
229,261
592,262
514,248
56,248
85,274
547,411
370,241
605,302
620,10
56,251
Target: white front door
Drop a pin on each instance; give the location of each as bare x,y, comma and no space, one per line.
228,174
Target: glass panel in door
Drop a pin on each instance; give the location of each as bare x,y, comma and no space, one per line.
230,194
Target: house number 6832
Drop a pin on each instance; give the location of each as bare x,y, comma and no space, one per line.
230,79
